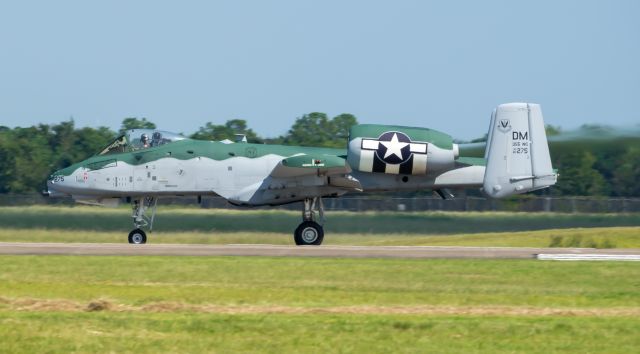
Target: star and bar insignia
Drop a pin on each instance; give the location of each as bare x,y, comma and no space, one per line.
394,152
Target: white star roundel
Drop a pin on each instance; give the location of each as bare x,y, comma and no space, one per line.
394,147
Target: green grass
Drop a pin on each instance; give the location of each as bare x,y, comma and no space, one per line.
612,237
314,282
245,283
260,304
182,333
279,221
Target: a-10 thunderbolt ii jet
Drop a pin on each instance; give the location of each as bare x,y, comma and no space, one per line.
144,165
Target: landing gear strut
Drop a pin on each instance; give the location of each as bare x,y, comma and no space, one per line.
139,208
309,232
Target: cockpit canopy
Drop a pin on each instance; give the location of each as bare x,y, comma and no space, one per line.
139,139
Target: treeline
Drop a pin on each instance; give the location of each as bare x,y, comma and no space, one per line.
596,160
588,164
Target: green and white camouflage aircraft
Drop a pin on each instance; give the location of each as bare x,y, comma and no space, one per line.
143,165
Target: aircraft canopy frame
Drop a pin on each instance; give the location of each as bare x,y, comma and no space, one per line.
139,139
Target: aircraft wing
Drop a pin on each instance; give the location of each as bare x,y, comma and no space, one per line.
334,167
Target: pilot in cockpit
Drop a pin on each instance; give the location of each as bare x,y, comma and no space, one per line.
144,140
156,139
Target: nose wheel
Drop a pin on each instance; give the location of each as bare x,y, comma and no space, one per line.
137,237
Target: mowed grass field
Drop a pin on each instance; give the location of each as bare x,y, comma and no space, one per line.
262,304
174,219
317,305
217,226
600,237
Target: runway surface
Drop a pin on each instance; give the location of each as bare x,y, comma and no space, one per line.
116,249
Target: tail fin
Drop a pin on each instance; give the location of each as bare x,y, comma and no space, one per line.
517,153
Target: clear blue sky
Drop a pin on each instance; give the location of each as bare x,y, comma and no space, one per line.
442,65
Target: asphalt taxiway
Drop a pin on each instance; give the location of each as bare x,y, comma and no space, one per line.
113,249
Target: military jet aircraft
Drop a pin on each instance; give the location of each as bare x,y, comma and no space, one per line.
143,165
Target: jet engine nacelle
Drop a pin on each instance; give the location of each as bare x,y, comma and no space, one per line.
400,150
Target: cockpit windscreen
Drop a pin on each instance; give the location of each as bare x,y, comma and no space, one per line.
139,139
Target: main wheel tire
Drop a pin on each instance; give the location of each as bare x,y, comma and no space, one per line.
309,233
137,237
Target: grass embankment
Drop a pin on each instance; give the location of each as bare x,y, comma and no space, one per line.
217,226
195,304
211,333
307,282
173,219
611,237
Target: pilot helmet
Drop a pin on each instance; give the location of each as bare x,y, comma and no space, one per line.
156,136
144,138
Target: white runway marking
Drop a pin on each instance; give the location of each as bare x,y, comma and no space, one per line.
589,257
123,249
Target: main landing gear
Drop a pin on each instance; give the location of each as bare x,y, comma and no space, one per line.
309,232
139,207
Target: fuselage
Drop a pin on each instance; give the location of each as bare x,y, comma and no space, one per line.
239,172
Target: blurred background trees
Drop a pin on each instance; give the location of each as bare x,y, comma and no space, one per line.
135,123
228,130
592,161
317,129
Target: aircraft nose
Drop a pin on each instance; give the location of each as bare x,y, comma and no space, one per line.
54,185
48,191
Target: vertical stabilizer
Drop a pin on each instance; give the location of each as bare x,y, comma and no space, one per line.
517,152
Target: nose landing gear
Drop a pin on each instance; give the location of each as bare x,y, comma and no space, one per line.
139,207
309,232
